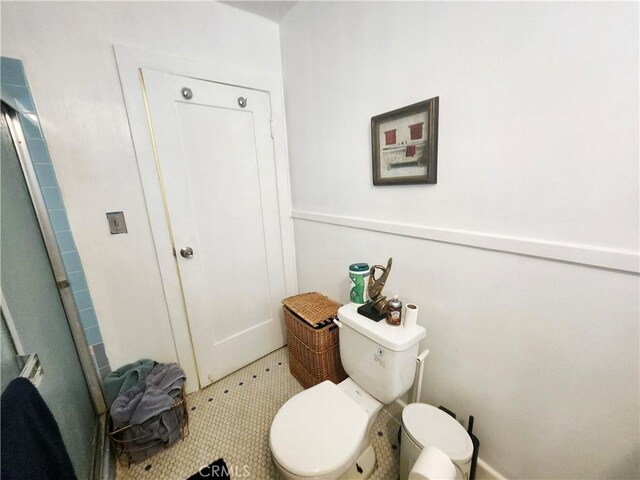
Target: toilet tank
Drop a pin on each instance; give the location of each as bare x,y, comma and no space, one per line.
379,357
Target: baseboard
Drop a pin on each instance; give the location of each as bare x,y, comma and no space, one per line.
484,471
394,410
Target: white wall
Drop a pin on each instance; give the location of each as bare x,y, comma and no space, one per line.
67,53
538,144
537,104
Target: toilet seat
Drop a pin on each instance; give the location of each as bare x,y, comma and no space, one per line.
318,432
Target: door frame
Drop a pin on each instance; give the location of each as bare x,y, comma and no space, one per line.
130,61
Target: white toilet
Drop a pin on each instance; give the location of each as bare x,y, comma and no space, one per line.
323,432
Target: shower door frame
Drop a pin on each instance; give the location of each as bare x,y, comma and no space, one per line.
101,465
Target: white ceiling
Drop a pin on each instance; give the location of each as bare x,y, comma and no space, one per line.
273,10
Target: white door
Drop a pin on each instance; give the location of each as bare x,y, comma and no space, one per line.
216,167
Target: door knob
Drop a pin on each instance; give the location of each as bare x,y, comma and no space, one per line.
186,252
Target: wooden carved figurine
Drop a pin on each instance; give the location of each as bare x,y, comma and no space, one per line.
375,286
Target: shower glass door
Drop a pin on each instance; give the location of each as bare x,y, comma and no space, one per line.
33,312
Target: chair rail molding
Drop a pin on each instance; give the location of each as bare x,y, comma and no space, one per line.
626,261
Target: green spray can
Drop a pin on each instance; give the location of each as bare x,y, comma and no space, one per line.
358,273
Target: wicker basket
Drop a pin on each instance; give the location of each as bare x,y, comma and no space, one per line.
306,379
314,351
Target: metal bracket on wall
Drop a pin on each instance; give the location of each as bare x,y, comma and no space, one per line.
117,223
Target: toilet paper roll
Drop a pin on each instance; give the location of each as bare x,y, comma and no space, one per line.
410,315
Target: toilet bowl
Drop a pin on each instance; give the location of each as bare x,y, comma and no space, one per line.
425,426
323,433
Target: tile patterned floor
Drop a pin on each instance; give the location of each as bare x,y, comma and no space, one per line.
231,419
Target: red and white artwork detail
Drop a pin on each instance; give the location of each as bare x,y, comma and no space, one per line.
390,137
403,146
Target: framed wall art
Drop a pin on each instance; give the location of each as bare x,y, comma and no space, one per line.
404,145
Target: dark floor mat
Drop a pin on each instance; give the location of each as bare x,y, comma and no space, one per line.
217,469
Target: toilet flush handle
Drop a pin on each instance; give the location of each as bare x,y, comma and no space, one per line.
338,323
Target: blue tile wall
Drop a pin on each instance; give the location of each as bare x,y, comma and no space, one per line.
20,96
46,177
65,241
93,336
52,198
71,262
100,354
104,371
12,72
30,127
88,318
59,220
15,92
38,151
83,300
78,282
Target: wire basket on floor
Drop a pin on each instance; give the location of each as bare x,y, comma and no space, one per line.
127,450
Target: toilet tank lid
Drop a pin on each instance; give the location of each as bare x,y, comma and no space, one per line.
397,339
427,425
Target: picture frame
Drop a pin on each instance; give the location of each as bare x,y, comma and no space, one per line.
404,145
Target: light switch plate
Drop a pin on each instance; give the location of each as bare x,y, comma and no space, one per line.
117,223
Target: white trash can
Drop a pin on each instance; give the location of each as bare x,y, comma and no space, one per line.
425,425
